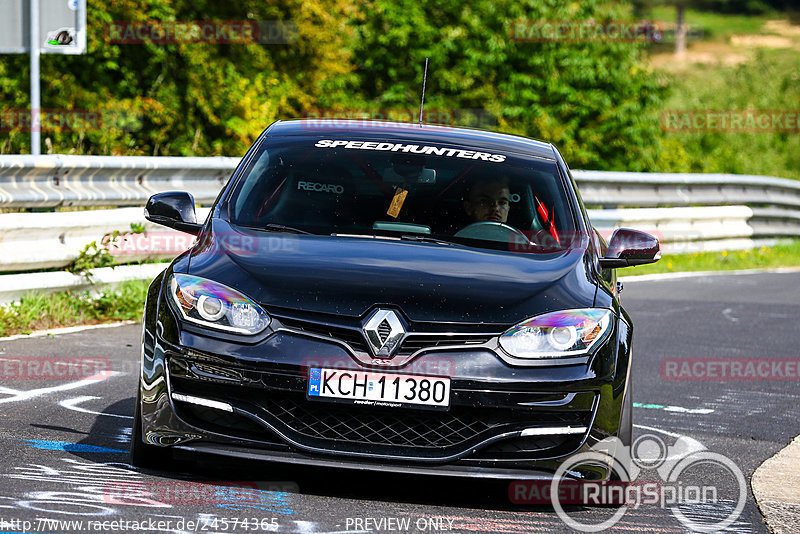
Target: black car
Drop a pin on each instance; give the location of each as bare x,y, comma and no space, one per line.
389,296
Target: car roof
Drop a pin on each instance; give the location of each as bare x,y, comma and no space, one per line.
396,131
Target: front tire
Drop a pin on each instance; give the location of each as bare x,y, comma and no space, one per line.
144,455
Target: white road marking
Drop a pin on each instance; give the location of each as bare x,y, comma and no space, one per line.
33,393
727,314
680,409
677,409
654,429
688,445
72,404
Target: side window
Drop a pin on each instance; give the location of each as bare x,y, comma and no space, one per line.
609,276
253,178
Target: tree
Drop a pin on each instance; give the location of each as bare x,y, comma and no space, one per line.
185,98
596,101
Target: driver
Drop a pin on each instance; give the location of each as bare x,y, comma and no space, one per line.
488,200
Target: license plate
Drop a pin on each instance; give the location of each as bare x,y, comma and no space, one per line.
378,389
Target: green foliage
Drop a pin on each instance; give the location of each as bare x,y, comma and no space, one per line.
785,254
94,256
771,81
40,311
598,102
595,101
750,7
124,303
182,99
710,25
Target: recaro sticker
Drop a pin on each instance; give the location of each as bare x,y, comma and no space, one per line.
320,187
416,149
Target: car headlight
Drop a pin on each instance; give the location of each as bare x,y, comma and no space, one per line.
561,334
212,304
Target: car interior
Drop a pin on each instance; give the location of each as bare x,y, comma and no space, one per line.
327,192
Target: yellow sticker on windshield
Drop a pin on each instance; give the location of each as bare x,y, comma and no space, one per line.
397,202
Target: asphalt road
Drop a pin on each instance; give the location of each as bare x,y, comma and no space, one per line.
64,441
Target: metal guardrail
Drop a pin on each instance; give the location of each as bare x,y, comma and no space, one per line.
59,180
30,241
684,230
645,190
684,210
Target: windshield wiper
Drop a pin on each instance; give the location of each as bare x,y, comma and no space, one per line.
283,228
426,239
404,237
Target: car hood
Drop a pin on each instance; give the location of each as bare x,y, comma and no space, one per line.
348,276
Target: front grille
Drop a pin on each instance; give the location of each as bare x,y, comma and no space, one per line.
413,342
352,337
339,423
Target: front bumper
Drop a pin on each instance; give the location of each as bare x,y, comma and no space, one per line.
205,394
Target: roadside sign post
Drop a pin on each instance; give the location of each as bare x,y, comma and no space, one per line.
39,27
36,100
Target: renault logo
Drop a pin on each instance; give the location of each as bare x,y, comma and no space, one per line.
383,331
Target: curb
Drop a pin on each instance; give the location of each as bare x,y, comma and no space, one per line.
776,486
67,330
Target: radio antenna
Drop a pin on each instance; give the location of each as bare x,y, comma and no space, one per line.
424,80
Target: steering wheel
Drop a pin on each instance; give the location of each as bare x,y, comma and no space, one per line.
494,231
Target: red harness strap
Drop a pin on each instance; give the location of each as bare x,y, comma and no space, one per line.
549,218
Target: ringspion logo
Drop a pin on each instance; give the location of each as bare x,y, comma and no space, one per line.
686,475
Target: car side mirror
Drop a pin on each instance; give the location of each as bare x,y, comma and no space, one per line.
630,247
174,209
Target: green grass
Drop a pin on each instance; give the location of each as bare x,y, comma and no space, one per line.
714,26
767,80
41,311
771,81
782,255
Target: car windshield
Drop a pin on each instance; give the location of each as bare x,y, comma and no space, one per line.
407,189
